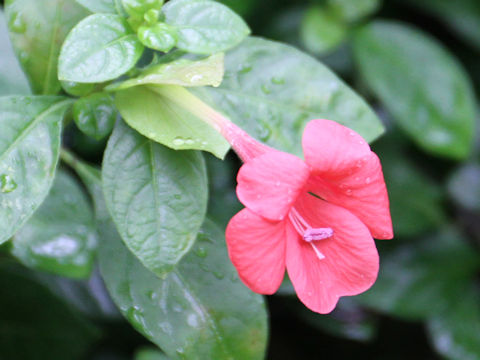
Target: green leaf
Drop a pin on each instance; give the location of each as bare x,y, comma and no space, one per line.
150,354
60,236
160,36
92,178
29,150
201,310
36,324
155,116
100,48
95,115
322,31
416,200
101,6
272,90
464,186
420,83
156,196
137,8
12,79
204,26
184,72
77,89
422,279
37,30
463,16
222,201
352,10
455,334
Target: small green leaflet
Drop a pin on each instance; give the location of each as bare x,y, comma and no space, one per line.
99,48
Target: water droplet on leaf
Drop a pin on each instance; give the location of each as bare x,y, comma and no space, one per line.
178,141
278,80
17,24
7,184
265,89
201,252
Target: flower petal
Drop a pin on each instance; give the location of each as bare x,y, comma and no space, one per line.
270,183
347,173
351,262
257,249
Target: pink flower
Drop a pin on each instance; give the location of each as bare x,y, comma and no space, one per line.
316,218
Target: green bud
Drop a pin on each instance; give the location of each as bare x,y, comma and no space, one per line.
160,36
137,8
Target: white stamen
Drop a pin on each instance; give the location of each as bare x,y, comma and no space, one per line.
308,233
319,254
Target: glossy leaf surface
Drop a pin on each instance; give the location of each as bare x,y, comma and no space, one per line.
272,90
29,150
152,114
184,72
205,26
101,6
12,79
38,29
60,237
423,279
201,310
455,334
160,209
436,107
99,48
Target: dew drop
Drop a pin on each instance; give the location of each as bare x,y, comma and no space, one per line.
277,183
245,69
189,142
265,89
7,184
178,141
349,192
192,320
368,180
278,80
219,275
201,252
17,24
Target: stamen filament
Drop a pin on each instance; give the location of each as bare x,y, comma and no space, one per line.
308,233
317,252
